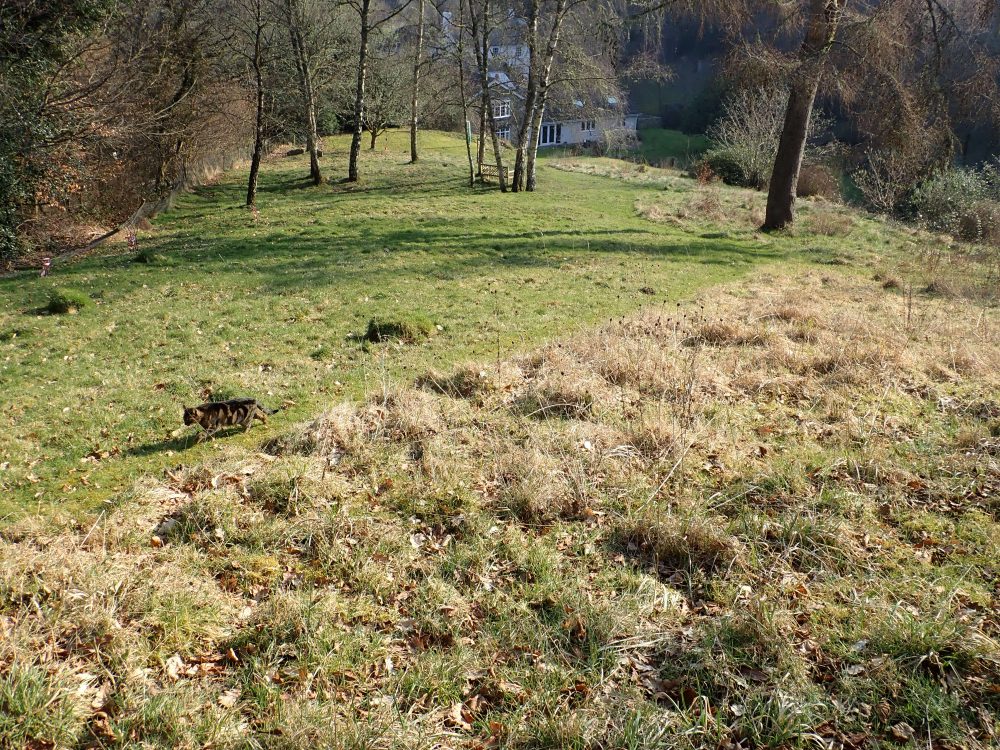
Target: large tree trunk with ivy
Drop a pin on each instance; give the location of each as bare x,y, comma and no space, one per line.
824,20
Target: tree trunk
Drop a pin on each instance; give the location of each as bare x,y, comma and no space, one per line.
562,6
374,134
482,57
531,92
461,84
481,155
187,83
497,153
258,141
312,141
359,98
536,129
294,22
414,99
824,19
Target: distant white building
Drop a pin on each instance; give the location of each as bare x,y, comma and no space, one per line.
584,119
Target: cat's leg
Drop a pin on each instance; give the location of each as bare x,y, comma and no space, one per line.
247,421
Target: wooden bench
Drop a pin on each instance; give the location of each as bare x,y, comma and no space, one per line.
490,173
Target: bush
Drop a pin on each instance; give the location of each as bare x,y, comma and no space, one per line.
981,223
885,178
62,301
818,180
962,202
746,136
409,330
738,167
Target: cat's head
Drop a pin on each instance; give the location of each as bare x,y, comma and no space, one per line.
191,414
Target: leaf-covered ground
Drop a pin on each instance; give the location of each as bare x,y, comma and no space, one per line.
766,517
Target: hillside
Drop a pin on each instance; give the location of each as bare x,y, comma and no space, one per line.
765,519
271,305
654,480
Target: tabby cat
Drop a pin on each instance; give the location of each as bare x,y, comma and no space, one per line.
217,415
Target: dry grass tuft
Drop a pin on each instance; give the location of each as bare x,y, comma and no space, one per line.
731,333
831,224
330,434
679,542
474,380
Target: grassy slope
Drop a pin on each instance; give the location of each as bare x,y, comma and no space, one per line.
266,307
767,519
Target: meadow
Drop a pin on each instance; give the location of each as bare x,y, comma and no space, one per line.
653,481
272,304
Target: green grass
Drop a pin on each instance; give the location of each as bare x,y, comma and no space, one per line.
662,146
410,329
65,301
276,306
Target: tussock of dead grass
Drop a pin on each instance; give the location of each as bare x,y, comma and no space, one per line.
767,516
675,541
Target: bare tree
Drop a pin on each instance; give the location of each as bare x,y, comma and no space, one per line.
459,47
386,94
539,77
414,98
481,27
580,68
900,66
296,22
370,20
250,40
824,17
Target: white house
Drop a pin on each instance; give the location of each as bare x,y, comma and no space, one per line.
585,119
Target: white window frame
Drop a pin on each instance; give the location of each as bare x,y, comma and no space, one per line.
588,126
501,109
503,132
550,134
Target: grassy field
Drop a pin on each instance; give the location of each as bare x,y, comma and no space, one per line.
272,305
766,518
654,480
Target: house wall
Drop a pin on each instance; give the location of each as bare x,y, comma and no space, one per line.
573,133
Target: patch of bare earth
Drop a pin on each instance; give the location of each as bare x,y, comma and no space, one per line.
768,518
